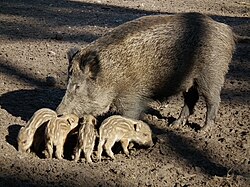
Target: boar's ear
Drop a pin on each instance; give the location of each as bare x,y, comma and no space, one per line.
94,121
89,64
81,120
137,126
70,55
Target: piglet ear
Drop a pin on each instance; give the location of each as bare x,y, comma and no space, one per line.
81,120
94,121
90,64
137,126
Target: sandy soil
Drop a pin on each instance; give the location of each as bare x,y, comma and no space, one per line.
35,36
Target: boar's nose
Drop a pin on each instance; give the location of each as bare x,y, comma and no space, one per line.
21,149
61,110
151,144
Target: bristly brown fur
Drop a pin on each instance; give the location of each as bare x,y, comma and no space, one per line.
152,57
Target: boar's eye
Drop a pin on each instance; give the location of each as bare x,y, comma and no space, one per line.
24,142
144,134
77,87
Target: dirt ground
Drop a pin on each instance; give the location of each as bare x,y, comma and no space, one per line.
34,38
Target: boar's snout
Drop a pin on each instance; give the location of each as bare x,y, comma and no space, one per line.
60,110
146,140
149,143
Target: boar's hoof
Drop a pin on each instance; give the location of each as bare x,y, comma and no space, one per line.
207,127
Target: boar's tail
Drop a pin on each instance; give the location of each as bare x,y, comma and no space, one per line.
242,39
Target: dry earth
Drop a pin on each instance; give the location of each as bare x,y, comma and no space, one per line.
34,38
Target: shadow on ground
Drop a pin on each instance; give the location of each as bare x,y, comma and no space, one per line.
57,19
23,103
184,147
11,138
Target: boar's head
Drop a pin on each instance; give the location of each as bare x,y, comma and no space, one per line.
24,139
143,134
86,93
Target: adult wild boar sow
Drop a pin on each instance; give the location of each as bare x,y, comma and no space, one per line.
152,57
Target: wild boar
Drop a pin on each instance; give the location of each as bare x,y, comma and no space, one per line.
56,133
118,128
152,57
86,138
26,134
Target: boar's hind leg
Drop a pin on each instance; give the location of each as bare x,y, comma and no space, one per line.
212,109
100,148
77,153
108,147
190,99
211,89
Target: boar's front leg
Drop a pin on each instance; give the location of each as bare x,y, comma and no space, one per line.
77,153
190,99
48,152
125,143
87,154
59,149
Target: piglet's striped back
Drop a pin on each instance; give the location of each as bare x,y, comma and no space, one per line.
40,117
120,123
